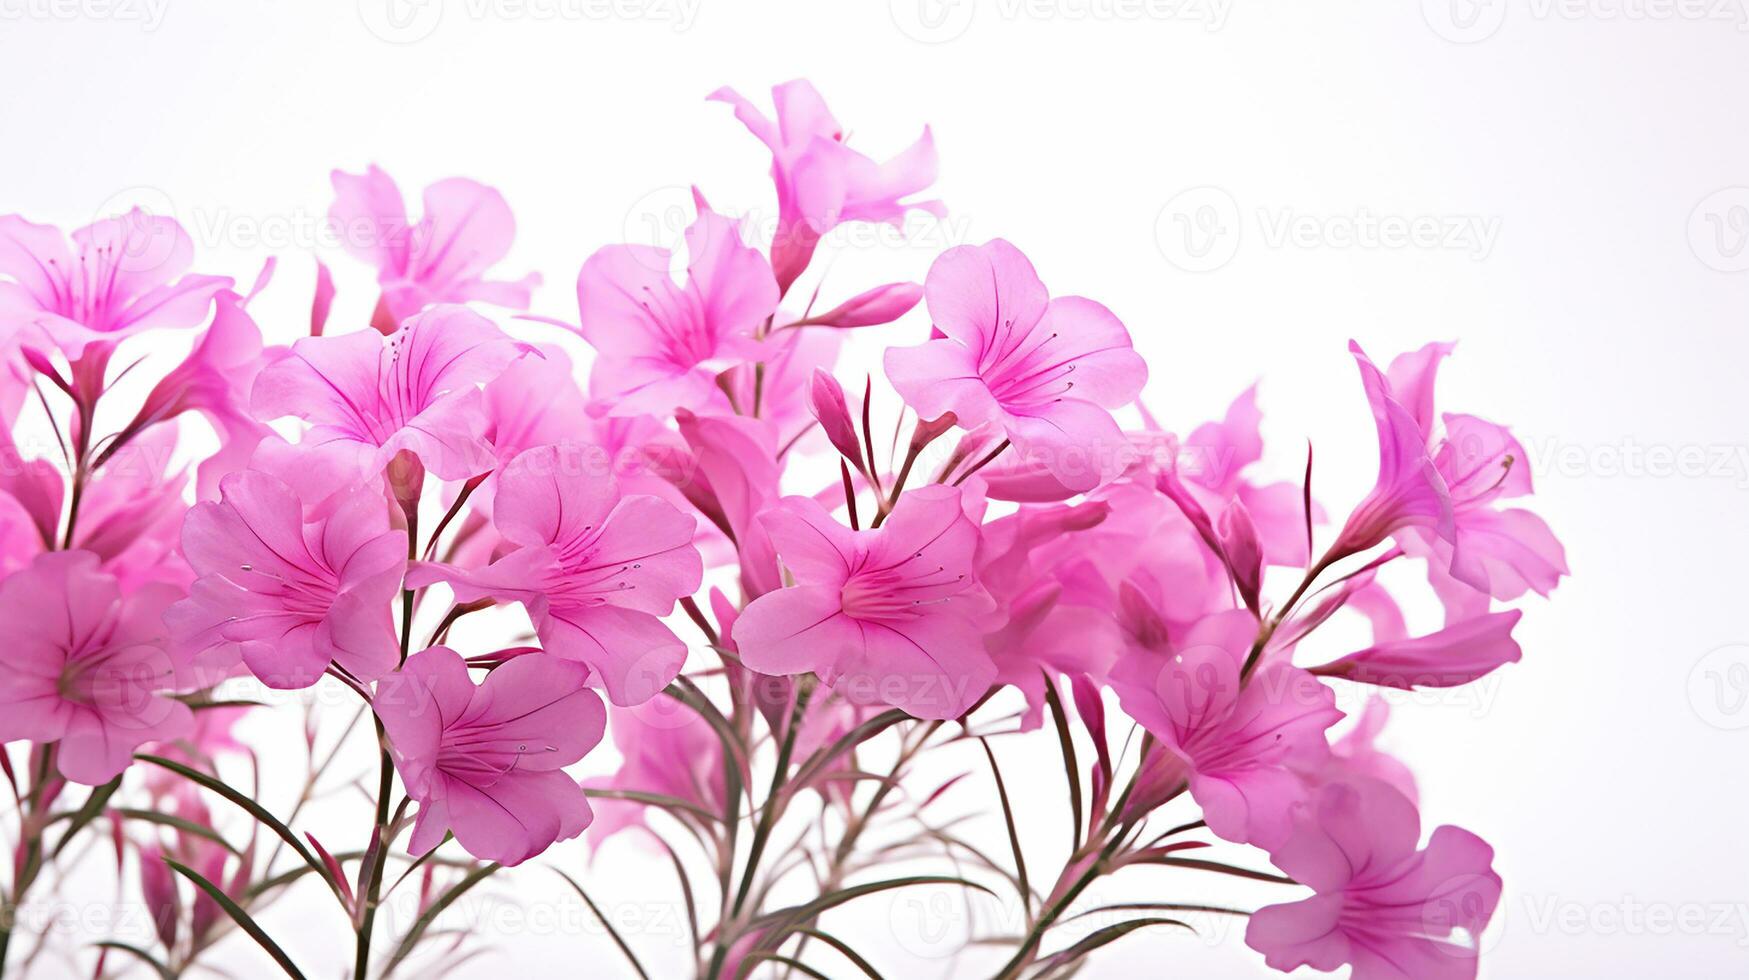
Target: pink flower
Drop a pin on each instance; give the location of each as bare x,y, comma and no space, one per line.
370,397
289,597
731,476
1238,736
893,615
485,762
873,307
1044,370
119,278
131,513
821,182
1391,911
661,345
86,666
1409,491
1457,654
1499,552
466,230
1031,563
214,380
594,569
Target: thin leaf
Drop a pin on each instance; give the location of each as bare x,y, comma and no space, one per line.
856,736
1102,937
1013,834
94,804
1155,907
144,957
612,933
178,823
811,910
746,967
444,901
1201,865
848,953
1071,767
254,809
240,917
656,800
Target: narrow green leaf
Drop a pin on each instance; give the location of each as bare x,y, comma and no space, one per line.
94,804
612,933
655,800
178,823
254,809
848,953
825,757
810,910
444,901
753,960
1013,833
1071,766
1201,865
144,957
1102,937
1155,907
240,917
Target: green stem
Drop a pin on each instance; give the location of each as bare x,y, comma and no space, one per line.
385,787
762,833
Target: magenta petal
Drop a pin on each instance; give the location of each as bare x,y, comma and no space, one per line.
1456,655
795,630
632,653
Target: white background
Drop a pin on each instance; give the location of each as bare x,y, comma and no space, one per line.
1600,149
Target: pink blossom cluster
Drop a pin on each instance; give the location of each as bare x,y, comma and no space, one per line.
723,562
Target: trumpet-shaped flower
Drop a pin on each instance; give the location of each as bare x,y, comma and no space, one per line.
286,596
121,276
821,182
1409,492
1238,735
485,761
661,345
893,614
1382,906
1046,371
466,229
594,569
86,666
368,397
1499,552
